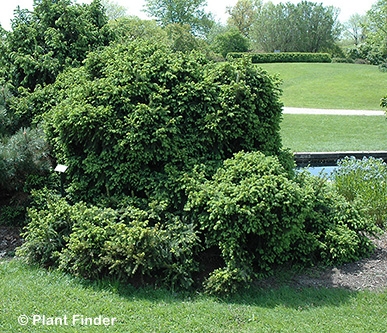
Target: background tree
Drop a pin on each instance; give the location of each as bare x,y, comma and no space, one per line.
190,12
113,10
231,40
243,15
304,27
377,25
130,28
270,31
180,38
355,29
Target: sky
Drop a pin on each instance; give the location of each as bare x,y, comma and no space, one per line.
216,7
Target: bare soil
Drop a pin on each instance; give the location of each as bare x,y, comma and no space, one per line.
10,239
366,274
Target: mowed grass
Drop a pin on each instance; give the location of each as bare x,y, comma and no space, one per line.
334,133
30,291
330,86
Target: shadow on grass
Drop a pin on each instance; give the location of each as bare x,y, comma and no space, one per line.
283,294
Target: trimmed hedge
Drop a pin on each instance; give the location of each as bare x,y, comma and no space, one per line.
281,57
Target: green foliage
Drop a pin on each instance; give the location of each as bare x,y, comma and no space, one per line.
231,40
302,27
95,242
48,229
23,156
8,121
184,12
282,57
376,29
181,38
127,29
367,52
244,14
252,211
335,231
45,41
364,183
53,35
127,246
113,10
259,218
138,133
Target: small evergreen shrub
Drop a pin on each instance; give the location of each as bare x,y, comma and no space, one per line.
128,244
47,231
125,243
252,212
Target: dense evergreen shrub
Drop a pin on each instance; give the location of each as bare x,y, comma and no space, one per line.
252,211
137,116
260,218
172,157
95,242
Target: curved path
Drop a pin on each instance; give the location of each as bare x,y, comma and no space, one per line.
289,110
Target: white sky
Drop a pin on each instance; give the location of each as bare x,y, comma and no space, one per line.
217,7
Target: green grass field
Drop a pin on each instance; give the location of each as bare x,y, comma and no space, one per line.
28,291
334,133
326,86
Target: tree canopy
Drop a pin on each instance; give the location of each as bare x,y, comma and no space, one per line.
302,27
190,12
244,14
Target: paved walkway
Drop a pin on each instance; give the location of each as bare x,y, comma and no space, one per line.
288,110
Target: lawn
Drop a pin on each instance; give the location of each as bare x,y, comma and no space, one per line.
30,291
334,133
334,85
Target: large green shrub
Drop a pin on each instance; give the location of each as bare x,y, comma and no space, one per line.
136,116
